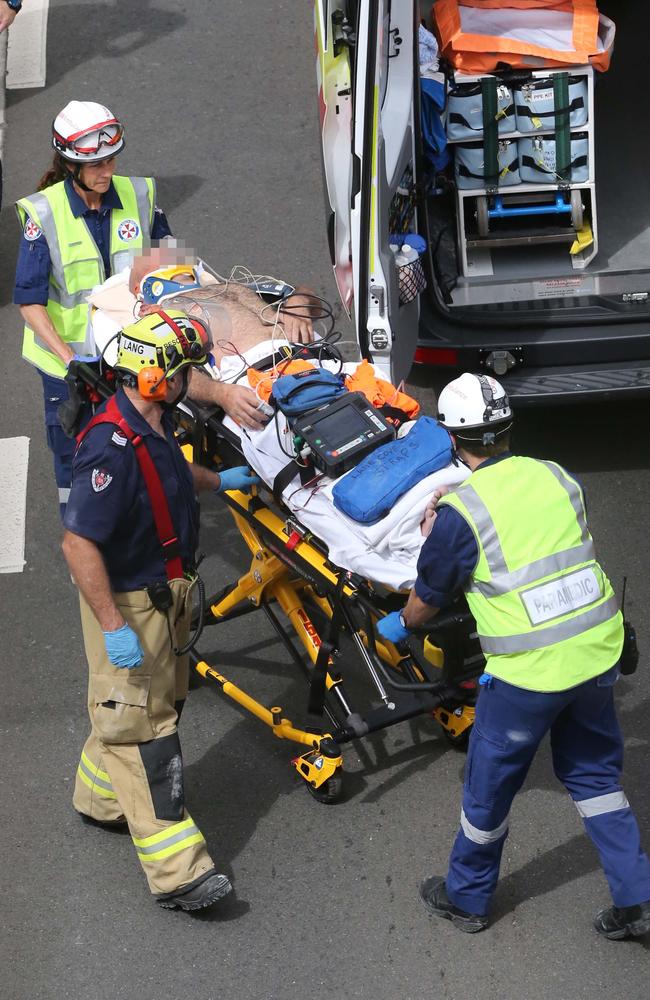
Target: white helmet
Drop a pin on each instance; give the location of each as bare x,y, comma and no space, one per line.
473,402
85,132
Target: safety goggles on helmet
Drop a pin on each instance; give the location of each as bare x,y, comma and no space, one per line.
167,341
89,143
87,132
163,283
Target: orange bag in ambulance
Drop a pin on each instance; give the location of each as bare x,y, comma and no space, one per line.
479,36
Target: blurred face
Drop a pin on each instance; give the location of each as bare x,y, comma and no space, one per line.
98,176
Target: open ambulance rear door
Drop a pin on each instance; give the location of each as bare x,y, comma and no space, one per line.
367,56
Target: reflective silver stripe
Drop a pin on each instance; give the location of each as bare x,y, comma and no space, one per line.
56,292
96,780
482,836
486,530
602,804
542,637
145,207
64,494
175,838
502,581
575,496
532,572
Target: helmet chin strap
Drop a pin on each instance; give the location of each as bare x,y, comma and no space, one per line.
170,404
76,176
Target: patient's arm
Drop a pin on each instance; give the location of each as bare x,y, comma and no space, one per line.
296,315
426,524
238,401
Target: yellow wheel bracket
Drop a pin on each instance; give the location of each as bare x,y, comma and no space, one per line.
457,722
316,767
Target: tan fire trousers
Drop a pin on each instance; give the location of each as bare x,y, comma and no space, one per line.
131,766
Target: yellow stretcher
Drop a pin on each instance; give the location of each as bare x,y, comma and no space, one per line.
332,614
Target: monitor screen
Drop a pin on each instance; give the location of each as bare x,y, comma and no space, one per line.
341,426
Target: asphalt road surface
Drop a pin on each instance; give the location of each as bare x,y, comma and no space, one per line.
220,105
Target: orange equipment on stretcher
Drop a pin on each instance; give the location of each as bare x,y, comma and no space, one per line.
363,379
475,37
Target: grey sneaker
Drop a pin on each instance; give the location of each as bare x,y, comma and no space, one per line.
204,891
618,922
433,894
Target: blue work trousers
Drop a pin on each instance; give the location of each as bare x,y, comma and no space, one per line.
587,750
55,392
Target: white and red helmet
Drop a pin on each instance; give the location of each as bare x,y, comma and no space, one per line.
85,132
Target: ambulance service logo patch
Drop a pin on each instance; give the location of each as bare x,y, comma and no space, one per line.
128,230
100,479
31,231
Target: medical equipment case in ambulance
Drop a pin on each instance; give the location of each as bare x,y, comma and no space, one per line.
544,282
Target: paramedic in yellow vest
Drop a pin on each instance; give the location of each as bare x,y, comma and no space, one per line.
83,224
514,537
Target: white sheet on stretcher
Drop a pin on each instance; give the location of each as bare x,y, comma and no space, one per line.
386,552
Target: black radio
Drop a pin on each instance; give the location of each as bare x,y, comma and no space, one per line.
339,434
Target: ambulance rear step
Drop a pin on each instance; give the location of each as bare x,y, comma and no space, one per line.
573,384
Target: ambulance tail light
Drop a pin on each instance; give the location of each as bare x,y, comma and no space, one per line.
445,357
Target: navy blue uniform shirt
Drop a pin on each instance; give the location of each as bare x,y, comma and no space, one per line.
449,555
33,268
109,503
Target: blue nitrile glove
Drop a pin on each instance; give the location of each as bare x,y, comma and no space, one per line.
485,680
239,478
123,647
87,359
392,629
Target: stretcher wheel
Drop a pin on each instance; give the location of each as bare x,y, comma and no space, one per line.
330,791
482,217
459,742
577,210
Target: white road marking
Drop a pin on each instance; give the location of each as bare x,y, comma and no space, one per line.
14,456
26,60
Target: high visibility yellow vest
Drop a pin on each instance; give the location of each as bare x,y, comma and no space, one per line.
77,264
546,614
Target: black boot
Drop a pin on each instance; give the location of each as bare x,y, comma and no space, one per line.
619,922
433,893
202,892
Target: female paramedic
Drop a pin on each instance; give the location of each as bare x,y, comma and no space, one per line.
82,225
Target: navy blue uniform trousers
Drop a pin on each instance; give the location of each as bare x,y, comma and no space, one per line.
55,392
587,750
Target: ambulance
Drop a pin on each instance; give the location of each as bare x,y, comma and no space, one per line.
490,212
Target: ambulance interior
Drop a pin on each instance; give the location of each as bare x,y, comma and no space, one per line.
523,268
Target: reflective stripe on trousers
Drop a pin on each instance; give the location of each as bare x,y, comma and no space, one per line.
98,781
587,757
169,841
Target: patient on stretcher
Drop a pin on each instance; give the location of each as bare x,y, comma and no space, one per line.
252,346
238,316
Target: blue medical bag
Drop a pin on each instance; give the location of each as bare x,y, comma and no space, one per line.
368,492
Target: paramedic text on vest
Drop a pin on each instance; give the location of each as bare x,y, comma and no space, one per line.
131,533
82,225
514,537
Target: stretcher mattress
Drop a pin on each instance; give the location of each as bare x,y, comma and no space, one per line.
385,552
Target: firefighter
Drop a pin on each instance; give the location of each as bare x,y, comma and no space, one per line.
130,538
83,224
514,536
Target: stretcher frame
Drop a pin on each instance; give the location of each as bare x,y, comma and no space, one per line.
435,674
